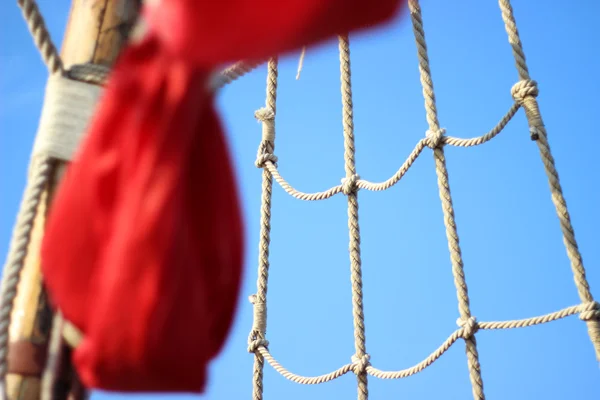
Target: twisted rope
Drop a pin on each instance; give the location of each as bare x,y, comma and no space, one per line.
446,198
349,188
235,71
40,174
525,93
41,36
376,187
465,331
265,151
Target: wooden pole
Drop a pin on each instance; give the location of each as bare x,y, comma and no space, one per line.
95,33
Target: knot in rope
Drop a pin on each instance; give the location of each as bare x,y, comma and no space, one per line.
255,344
263,158
525,92
590,311
435,138
349,184
266,115
360,364
260,314
469,326
523,89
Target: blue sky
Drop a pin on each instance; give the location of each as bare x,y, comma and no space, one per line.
515,262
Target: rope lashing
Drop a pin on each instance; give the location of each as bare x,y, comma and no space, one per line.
259,325
96,74
260,315
69,105
42,167
266,116
525,93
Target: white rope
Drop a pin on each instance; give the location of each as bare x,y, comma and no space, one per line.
68,107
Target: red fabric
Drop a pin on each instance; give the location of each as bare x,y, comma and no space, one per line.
143,248
211,32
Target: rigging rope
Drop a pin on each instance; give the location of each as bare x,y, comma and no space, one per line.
69,103
524,93
349,188
435,136
257,339
41,36
41,171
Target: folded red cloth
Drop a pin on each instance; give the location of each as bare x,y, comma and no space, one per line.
143,250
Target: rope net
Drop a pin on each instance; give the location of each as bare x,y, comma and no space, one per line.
524,92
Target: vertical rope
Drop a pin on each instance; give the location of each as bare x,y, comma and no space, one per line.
525,92
266,148
41,172
350,190
514,39
446,198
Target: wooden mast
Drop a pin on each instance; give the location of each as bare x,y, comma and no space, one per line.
95,33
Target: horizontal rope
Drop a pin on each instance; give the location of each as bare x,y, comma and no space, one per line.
380,186
464,332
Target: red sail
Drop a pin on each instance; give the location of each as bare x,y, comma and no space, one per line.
143,250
